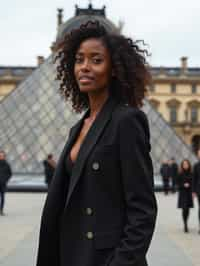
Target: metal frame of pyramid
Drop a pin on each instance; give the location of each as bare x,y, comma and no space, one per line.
165,143
34,121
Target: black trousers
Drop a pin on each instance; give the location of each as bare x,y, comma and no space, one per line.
166,185
2,197
185,214
173,184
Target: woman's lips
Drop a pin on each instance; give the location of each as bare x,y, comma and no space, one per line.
85,80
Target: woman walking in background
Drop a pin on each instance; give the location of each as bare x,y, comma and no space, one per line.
185,201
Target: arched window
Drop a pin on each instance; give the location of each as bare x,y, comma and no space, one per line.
193,107
194,114
173,114
173,106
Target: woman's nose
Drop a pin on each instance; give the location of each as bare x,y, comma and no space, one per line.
85,66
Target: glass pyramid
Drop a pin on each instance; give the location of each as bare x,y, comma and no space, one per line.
35,121
165,143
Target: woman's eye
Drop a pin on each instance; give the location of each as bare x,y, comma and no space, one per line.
78,59
97,60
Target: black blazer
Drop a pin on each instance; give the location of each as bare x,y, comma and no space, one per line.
196,178
115,168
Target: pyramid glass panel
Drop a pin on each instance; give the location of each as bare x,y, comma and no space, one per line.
35,121
165,143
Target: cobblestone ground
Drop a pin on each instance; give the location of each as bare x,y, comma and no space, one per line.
170,246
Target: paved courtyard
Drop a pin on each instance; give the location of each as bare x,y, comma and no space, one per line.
20,226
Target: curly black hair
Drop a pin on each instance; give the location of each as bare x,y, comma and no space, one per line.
128,61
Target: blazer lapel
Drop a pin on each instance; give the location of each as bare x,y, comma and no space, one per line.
56,194
89,142
74,134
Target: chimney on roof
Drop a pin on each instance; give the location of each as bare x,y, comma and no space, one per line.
40,60
59,17
184,64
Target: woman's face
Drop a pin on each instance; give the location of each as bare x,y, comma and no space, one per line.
92,67
185,165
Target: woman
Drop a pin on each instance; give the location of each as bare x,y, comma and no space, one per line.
185,201
101,209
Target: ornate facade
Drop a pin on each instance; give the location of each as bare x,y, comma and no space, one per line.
175,94
10,77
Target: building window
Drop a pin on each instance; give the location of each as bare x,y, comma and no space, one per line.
152,88
173,114
194,114
194,88
173,88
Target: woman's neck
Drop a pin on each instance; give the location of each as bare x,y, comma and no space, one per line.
96,102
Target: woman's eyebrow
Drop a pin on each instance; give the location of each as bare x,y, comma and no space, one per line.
97,53
92,53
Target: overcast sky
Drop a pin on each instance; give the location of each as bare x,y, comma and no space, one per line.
171,28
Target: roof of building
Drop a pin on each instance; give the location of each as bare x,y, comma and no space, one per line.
16,70
155,71
82,15
175,71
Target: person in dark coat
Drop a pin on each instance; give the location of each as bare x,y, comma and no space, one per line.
49,168
5,175
185,200
165,174
101,208
173,172
196,184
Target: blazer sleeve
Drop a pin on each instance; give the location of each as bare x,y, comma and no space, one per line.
138,186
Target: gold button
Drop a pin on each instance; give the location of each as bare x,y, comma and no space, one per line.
89,211
95,166
89,235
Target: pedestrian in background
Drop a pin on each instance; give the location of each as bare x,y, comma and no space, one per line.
173,172
196,184
185,200
49,168
164,171
5,175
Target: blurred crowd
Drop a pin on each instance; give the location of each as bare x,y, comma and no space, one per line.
6,173
185,180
